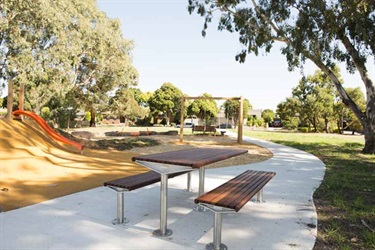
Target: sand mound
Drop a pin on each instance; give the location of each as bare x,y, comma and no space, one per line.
36,168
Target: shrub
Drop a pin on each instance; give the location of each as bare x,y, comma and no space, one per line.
304,129
45,113
88,116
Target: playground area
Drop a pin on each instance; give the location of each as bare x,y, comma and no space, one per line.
52,196
35,167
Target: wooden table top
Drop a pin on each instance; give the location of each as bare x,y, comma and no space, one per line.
193,157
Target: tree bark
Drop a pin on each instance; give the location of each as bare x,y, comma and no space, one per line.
10,99
93,118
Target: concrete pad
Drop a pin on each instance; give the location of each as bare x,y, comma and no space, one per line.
83,220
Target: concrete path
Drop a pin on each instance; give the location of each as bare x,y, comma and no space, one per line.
287,220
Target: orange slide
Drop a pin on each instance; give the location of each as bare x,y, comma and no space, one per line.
48,129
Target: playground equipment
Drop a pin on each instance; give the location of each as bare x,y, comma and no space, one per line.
48,129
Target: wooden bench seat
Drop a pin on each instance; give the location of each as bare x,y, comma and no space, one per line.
200,128
231,197
130,183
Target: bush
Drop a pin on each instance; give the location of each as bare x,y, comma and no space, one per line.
88,116
45,113
291,124
304,129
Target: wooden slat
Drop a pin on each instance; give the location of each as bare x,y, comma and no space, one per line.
194,157
140,180
235,193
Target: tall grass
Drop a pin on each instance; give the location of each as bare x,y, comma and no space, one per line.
346,198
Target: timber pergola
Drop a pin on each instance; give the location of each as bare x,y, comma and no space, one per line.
240,113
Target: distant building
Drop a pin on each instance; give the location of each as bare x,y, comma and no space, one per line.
255,113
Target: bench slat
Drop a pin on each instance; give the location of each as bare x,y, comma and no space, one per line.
235,193
139,180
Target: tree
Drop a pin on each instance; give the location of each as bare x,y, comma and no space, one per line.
124,104
231,108
268,115
32,46
316,98
166,101
205,109
324,32
63,48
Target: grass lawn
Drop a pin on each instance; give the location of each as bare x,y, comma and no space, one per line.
345,200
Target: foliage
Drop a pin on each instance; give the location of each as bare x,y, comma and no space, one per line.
63,50
314,102
268,115
324,32
45,113
205,109
124,104
166,101
87,116
255,121
291,124
231,109
316,99
345,114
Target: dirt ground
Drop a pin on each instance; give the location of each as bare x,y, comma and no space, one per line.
35,168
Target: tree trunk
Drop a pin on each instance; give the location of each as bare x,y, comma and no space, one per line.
326,122
339,126
93,118
10,99
369,131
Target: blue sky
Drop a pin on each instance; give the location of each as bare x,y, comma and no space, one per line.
169,48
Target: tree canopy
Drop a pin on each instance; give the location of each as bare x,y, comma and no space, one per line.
324,32
63,48
166,100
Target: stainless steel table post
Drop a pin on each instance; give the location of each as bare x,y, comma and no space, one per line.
201,188
163,231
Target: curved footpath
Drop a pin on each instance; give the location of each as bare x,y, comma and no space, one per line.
287,220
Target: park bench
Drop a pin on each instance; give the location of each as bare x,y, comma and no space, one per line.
130,183
201,128
231,197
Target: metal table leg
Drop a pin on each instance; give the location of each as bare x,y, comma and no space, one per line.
201,188
163,231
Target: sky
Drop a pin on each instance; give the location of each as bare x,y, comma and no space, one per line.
169,47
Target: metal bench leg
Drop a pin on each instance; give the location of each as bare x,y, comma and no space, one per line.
120,206
216,244
260,196
188,188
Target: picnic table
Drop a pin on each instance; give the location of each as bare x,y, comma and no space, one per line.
181,161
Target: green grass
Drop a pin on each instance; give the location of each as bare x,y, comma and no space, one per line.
346,197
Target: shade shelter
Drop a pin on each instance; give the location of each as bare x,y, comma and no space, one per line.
240,113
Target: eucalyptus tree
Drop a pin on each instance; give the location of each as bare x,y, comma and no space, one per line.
101,61
324,32
166,101
63,47
32,48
